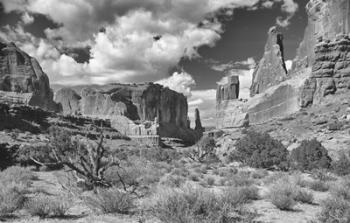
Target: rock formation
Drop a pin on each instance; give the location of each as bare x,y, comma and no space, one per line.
21,73
326,19
198,123
230,112
271,69
330,71
134,109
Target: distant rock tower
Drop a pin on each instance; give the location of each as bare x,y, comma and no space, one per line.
198,122
229,90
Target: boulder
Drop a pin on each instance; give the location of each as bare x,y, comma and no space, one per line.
271,69
22,74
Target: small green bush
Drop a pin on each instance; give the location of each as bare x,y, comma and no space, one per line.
310,155
46,206
110,200
260,150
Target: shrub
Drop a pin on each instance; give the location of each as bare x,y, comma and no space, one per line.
259,174
282,195
342,165
110,200
173,181
341,189
204,150
304,196
237,196
11,197
318,185
17,175
7,155
210,181
260,150
194,176
335,209
196,205
310,155
240,179
48,206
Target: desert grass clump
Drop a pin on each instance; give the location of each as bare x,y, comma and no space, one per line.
259,174
17,175
304,196
237,196
110,200
341,166
12,197
318,185
196,205
210,181
173,181
282,195
46,206
240,179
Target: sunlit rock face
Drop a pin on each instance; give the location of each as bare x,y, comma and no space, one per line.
326,19
271,69
22,74
134,109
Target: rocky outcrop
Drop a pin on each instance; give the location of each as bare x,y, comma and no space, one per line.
271,69
330,71
134,109
198,123
21,73
230,111
229,90
326,19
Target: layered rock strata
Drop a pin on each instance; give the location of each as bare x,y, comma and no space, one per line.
326,19
330,71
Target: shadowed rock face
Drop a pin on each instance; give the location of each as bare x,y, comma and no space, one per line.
326,19
271,69
21,73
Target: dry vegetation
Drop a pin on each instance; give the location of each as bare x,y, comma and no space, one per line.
166,185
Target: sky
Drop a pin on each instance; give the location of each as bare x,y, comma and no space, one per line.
186,45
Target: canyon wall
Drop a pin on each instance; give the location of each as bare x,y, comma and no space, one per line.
21,73
134,109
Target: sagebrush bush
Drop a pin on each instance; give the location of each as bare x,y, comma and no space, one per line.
12,197
237,196
46,206
310,155
335,209
195,206
110,200
260,150
173,181
240,179
7,155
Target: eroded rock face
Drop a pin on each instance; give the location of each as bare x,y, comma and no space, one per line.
271,69
134,109
330,71
326,19
21,73
229,90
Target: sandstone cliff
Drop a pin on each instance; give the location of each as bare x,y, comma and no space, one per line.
134,109
326,19
21,73
330,71
271,69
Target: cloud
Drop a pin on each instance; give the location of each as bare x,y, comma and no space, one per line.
289,64
290,8
205,101
27,19
249,63
180,82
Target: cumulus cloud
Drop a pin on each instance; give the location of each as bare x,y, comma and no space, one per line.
249,63
26,18
290,8
180,82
